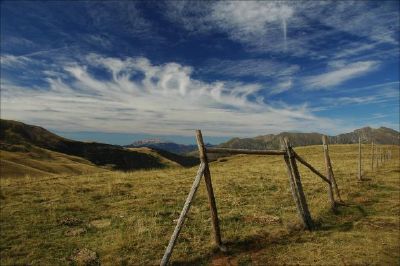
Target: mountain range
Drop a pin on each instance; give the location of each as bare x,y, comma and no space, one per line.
35,150
163,145
380,135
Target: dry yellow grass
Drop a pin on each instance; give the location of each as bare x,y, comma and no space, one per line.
38,162
259,222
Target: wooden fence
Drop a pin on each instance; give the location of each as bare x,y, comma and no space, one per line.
290,157
378,155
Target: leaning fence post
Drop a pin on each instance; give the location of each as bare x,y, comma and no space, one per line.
182,216
372,156
328,166
210,191
359,159
297,188
291,182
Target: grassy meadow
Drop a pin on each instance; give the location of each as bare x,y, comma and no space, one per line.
128,218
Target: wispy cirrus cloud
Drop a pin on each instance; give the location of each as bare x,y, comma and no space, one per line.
296,27
339,75
141,96
385,93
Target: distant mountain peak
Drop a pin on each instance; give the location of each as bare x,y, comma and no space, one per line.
382,135
147,142
159,144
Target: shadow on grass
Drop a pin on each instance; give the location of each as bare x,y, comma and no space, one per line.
340,220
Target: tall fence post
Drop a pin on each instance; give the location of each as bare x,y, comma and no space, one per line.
359,159
210,191
328,167
296,186
372,156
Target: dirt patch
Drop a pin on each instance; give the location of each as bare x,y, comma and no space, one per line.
101,223
75,232
224,261
264,219
362,200
85,257
69,221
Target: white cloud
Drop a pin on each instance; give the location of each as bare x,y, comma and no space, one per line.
140,97
246,20
339,75
282,86
300,28
12,61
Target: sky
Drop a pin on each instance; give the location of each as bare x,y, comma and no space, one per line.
120,71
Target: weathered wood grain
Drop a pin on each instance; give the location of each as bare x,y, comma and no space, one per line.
329,169
182,217
210,191
295,175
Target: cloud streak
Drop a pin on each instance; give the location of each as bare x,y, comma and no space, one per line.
340,75
290,26
142,97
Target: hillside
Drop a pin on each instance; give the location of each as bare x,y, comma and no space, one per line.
20,161
115,157
163,145
128,218
168,158
380,135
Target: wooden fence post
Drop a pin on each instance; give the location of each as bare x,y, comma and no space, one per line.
296,186
210,191
182,216
328,166
359,159
372,156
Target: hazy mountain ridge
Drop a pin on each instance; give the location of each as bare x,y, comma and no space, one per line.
163,145
380,135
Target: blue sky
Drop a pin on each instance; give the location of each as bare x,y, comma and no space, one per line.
118,71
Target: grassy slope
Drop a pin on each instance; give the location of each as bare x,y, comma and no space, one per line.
34,161
142,205
17,133
168,158
152,152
